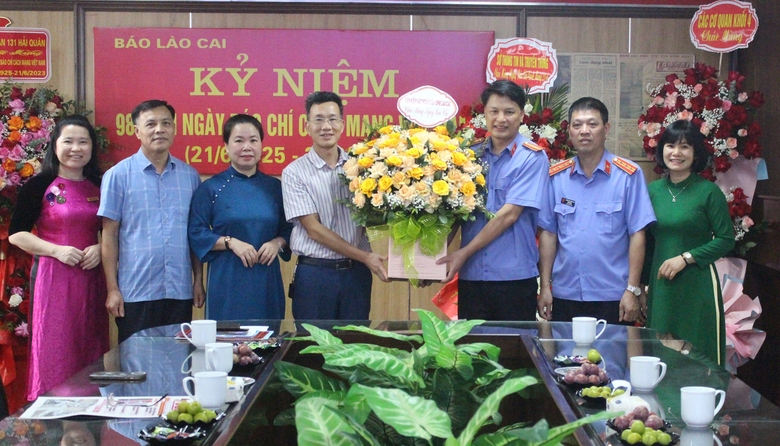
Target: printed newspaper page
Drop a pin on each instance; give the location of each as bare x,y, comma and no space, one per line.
620,81
46,408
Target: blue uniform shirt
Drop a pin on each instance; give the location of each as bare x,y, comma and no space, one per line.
593,218
519,176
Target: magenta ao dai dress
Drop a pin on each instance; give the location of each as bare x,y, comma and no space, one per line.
69,322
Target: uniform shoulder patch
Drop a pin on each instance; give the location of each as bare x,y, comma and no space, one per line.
532,146
561,166
624,165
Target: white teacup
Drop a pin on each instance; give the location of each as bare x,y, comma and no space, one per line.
699,437
583,329
697,405
194,363
210,388
646,372
219,356
202,332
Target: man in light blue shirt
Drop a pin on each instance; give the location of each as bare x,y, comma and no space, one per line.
593,241
498,257
152,277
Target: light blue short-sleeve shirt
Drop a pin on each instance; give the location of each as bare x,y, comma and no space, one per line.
594,218
152,210
518,176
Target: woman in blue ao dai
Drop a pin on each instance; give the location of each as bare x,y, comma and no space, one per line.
237,226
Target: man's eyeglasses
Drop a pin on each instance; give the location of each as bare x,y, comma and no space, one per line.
333,122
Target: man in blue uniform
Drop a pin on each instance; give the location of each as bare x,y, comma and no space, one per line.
498,258
592,245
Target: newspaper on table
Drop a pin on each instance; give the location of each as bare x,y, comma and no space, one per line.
47,408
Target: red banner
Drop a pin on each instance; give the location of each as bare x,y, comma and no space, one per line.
209,74
528,62
25,54
724,26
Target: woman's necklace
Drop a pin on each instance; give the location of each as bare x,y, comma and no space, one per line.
674,197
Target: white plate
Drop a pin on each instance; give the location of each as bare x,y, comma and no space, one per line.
241,380
562,371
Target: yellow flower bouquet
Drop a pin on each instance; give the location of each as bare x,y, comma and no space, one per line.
415,183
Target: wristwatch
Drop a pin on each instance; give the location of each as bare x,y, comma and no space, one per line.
227,241
635,290
686,257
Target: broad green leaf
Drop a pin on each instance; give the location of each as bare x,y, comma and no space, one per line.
451,358
285,418
320,336
451,394
476,348
375,360
336,397
319,426
333,348
360,431
557,434
433,332
299,380
490,406
409,415
511,434
356,406
361,374
457,329
381,333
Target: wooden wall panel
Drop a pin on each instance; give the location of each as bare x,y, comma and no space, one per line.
504,27
60,26
301,21
581,35
652,36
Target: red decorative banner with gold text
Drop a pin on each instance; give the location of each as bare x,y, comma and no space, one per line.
209,74
529,63
25,54
724,26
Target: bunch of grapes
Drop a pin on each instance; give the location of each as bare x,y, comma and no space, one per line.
587,373
243,354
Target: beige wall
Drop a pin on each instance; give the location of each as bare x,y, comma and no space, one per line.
606,35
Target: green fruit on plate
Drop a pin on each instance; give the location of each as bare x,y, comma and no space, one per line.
664,438
183,406
649,438
594,356
210,414
194,408
638,427
624,435
172,416
185,418
633,438
201,416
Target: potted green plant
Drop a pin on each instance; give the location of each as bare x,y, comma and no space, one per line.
437,392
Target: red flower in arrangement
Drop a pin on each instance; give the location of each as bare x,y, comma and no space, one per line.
739,209
473,117
722,110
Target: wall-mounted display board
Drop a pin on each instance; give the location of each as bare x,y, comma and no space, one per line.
25,54
209,74
620,81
